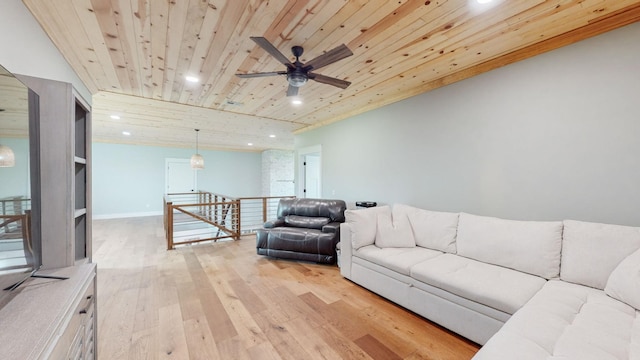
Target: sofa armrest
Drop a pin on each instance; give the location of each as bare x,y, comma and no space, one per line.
274,223
333,227
346,250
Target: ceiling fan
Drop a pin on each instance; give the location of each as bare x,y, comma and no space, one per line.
298,73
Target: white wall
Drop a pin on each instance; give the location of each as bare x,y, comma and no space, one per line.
27,50
552,137
129,180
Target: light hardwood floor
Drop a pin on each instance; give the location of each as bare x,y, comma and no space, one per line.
223,301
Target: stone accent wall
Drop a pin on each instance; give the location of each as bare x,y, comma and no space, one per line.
278,173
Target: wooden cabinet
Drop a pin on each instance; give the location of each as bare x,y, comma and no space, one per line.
65,173
56,319
52,319
78,338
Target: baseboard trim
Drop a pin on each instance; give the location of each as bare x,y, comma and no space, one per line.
126,215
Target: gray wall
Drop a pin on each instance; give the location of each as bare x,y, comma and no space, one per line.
129,180
552,137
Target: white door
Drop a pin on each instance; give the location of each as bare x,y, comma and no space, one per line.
179,176
312,176
309,173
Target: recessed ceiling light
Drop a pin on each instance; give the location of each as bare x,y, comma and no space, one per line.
483,1
115,117
192,79
272,136
126,133
250,144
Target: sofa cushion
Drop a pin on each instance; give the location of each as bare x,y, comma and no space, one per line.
529,246
624,281
590,251
431,229
567,321
333,209
397,259
394,231
310,222
363,224
494,286
301,240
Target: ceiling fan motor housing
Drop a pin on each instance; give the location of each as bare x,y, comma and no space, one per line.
297,51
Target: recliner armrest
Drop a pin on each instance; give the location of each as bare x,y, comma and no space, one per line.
333,227
274,223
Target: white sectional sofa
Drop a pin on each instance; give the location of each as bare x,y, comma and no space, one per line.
523,289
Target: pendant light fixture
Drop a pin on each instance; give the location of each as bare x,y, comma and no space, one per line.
197,161
7,157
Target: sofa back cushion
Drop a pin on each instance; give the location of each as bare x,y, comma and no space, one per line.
310,222
394,231
332,209
590,251
529,246
624,281
364,224
431,229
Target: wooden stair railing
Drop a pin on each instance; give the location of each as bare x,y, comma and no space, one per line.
230,216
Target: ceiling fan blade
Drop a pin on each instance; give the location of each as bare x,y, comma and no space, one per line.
329,57
268,47
292,91
343,84
262,74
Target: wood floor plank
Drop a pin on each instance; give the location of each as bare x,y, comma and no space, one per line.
345,347
143,345
279,336
223,301
246,328
311,341
200,340
376,349
218,320
248,297
172,342
233,348
345,322
146,314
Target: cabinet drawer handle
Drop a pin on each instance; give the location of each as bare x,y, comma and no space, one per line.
83,311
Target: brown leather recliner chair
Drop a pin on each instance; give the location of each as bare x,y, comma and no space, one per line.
306,229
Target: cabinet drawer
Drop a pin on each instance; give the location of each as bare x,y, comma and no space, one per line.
81,323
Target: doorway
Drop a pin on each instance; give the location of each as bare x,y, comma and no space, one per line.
310,172
179,176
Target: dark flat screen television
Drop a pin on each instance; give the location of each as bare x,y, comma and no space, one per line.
20,231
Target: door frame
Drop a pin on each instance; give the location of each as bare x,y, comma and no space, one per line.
302,153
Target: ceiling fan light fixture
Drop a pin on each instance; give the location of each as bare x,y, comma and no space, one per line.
296,100
297,79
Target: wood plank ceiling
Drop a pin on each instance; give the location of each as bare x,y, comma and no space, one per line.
134,56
